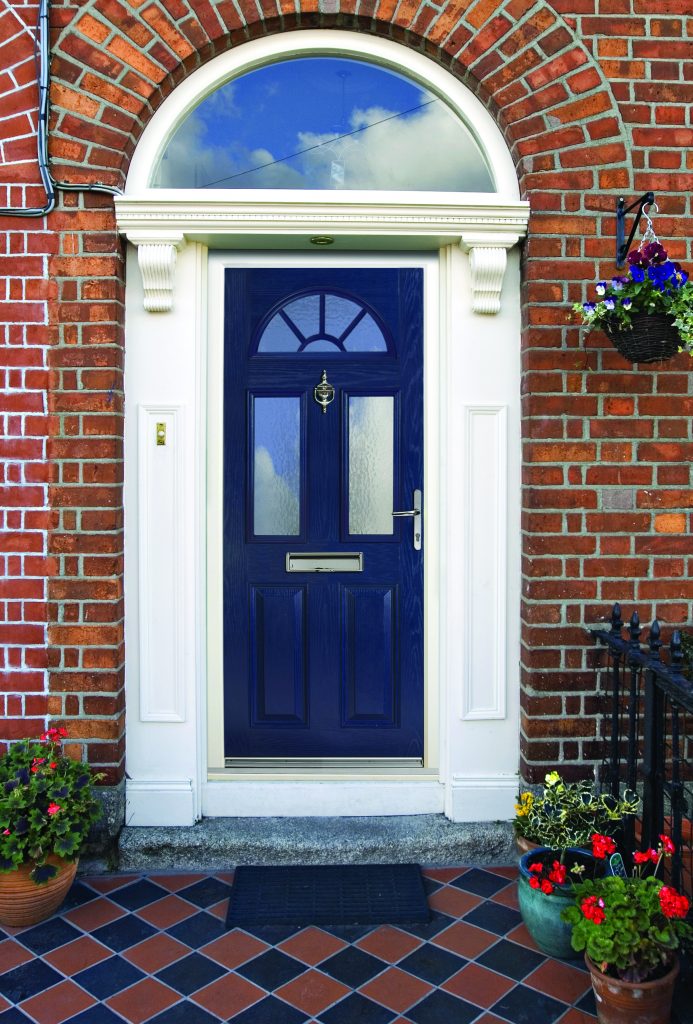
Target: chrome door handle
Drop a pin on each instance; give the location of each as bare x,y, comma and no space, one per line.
415,514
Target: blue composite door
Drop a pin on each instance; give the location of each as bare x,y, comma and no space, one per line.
323,584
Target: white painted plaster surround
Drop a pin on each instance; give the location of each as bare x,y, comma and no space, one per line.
472,425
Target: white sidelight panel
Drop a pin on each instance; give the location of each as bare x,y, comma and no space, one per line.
485,561
161,562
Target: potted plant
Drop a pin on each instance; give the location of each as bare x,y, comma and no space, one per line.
568,814
47,806
563,820
630,929
648,312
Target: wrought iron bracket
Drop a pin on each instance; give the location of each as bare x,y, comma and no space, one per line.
622,246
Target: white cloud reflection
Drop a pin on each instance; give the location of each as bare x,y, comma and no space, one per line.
427,149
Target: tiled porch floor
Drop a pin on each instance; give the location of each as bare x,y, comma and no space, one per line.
154,948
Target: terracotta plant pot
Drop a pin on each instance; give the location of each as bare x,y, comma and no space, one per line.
23,902
632,1002
525,845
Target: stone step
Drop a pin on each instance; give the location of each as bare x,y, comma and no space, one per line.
218,844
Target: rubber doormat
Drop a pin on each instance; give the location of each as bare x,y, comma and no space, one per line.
327,894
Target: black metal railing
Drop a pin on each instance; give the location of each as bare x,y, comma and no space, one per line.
647,736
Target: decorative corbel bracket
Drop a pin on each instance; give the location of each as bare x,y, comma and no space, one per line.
156,255
488,258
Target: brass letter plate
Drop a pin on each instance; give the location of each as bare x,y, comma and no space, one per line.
324,561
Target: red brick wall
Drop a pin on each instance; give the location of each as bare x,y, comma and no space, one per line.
592,97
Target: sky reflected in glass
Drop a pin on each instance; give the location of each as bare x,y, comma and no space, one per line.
323,123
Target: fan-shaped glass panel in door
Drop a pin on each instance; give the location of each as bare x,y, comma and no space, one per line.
321,322
323,123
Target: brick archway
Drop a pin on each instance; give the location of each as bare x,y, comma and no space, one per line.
113,66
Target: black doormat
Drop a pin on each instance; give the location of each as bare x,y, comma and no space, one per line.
327,894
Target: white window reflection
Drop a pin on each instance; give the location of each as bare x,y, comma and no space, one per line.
323,123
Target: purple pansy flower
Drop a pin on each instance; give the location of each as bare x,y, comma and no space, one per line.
637,274
589,307
626,303
610,303
617,283
601,287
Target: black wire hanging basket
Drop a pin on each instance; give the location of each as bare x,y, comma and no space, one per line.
651,338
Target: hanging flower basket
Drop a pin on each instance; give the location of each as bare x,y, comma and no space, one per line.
647,314
650,339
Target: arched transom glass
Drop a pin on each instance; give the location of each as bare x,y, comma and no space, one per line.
323,123
321,322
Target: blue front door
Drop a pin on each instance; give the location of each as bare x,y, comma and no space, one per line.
323,586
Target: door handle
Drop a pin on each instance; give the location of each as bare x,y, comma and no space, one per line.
415,515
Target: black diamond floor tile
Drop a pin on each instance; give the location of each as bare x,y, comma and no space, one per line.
587,1004
427,931
78,895
353,967
511,959
272,969
494,917
433,964
442,1008
184,1013
206,892
431,885
273,934
48,935
271,1011
27,980
123,933
523,1005
480,882
138,894
198,930
14,1016
108,977
348,932
191,973
99,1014
356,1009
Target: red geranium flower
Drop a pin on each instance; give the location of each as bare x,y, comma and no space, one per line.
558,873
645,856
666,844
592,908
53,808
536,868
602,846
673,904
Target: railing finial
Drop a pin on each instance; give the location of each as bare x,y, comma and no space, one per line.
634,630
616,620
676,658
655,640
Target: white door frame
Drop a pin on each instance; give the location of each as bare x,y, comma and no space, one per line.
172,529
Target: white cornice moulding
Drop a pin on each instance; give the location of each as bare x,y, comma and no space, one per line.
156,255
158,222
488,258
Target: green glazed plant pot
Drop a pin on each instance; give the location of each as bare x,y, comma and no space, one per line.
541,912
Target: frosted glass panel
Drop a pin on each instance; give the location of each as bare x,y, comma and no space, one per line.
278,337
365,337
305,313
277,466
340,313
371,459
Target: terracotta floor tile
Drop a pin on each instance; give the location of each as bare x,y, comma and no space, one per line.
219,910
453,901
478,985
78,955
465,939
155,953
4,1005
228,995
312,945
574,1016
166,912
108,883
60,1003
234,948
396,989
13,955
521,935
312,992
225,876
559,980
388,943
92,915
143,1000
443,874
507,896
174,882
505,872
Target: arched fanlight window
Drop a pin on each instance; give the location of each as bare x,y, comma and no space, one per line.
320,322
320,122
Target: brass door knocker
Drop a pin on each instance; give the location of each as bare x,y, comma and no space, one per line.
323,392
